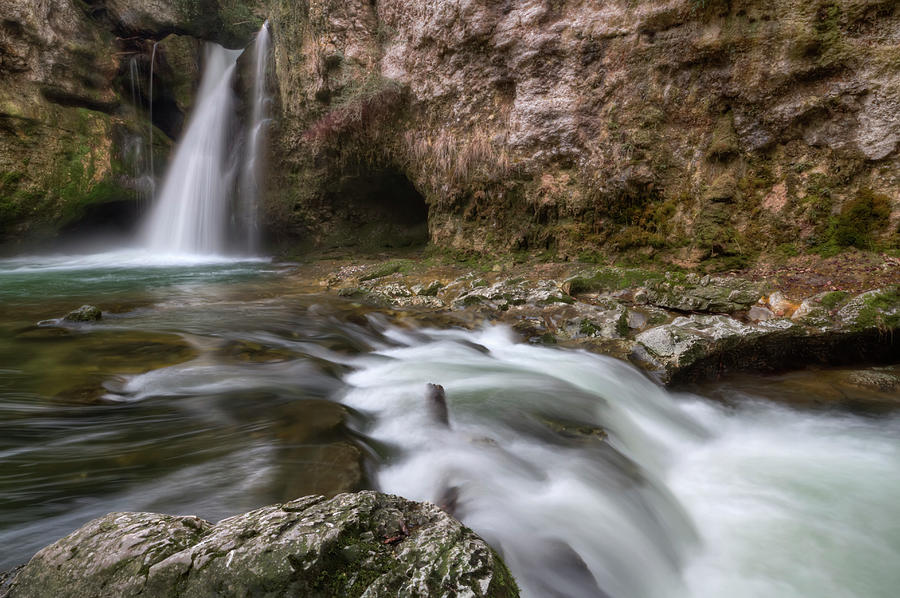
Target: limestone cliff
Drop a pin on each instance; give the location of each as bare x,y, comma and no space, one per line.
686,129
75,101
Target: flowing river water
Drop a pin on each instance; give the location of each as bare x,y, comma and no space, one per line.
213,387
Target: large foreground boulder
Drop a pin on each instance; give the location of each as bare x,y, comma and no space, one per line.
360,544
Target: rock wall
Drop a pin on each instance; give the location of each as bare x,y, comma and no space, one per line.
75,101
684,129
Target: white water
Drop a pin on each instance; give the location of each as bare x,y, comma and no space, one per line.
150,97
116,259
251,177
687,499
190,216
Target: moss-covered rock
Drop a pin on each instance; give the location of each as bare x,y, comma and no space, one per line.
85,313
362,544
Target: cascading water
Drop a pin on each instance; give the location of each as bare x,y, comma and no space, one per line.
256,136
683,499
150,107
190,216
137,151
192,213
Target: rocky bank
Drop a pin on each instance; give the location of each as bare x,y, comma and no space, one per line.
680,327
362,544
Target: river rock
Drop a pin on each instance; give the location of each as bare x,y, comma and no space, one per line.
85,313
759,313
812,312
718,295
701,345
360,544
879,308
781,306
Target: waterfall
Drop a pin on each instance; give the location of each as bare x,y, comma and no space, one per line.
136,145
259,120
195,206
150,105
190,215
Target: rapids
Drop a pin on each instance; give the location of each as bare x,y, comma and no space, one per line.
213,386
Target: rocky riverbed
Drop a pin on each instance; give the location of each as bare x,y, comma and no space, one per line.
680,327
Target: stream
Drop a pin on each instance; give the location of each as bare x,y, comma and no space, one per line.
214,386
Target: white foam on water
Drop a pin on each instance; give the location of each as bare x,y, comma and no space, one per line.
686,498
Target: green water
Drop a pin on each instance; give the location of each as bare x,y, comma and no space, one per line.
226,411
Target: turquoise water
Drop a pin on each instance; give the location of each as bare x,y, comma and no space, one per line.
211,387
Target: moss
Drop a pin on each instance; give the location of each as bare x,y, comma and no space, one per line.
787,250
727,263
587,328
503,585
622,328
385,269
833,299
861,217
723,189
611,279
881,310
724,141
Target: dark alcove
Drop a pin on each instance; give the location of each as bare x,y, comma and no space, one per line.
382,208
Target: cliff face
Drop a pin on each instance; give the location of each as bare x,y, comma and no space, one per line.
679,128
75,101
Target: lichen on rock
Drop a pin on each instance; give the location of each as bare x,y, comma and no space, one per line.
361,544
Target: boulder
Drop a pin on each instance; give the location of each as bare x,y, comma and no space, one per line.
879,308
701,346
85,313
710,294
356,544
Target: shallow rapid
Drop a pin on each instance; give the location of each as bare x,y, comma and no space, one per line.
214,386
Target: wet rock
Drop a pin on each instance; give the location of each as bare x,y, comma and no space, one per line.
85,313
229,22
718,295
637,320
878,379
436,399
879,308
781,306
759,313
700,346
505,294
608,320
351,545
812,312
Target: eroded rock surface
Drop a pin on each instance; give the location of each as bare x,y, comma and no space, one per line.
696,130
362,544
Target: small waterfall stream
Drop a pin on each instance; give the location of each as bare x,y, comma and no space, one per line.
252,171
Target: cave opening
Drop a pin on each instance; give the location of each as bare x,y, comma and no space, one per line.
384,209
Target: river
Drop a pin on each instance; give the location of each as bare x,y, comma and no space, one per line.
211,387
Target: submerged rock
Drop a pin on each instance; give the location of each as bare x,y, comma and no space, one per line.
85,313
365,543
